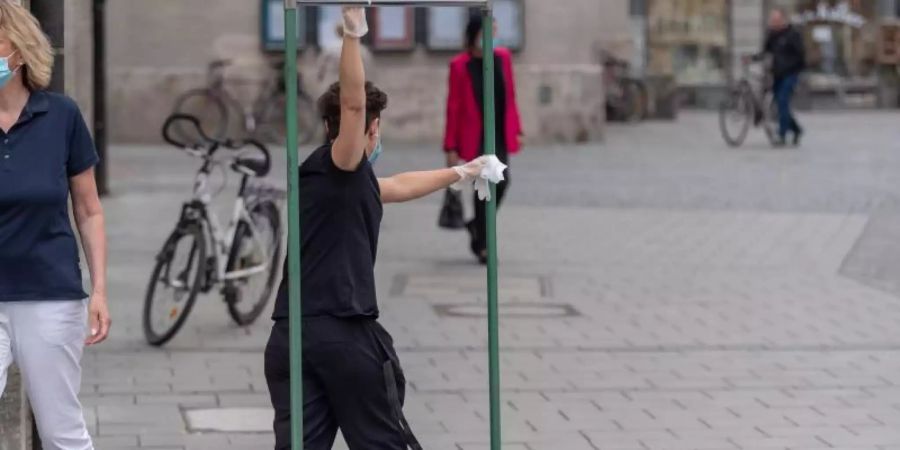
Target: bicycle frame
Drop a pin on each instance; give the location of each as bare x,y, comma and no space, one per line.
220,239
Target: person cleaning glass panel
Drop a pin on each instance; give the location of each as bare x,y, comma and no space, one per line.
352,378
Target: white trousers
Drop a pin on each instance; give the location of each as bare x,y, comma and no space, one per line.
46,340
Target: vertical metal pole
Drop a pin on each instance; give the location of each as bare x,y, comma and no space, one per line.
296,344
100,140
490,144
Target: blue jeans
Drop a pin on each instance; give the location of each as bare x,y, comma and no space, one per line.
784,90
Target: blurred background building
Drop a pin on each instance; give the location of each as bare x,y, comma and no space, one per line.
700,42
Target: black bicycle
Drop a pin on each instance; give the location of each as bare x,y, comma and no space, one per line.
199,254
216,108
750,102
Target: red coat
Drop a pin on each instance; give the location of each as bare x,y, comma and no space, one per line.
464,116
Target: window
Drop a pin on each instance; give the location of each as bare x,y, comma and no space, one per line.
328,21
272,25
510,17
840,36
446,28
393,28
688,39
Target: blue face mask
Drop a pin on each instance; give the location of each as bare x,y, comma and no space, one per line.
6,73
376,152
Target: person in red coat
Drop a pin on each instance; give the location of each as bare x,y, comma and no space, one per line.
464,134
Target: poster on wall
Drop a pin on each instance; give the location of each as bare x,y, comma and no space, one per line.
446,28
272,25
394,28
510,17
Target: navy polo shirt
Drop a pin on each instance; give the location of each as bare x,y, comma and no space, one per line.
38,252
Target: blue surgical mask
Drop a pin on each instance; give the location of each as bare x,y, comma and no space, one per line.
376,152
6,73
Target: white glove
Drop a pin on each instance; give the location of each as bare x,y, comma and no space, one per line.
355,21
470,170
484,170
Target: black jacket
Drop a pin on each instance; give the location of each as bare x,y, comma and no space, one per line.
787,50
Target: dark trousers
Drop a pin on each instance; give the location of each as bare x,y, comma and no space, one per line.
783,89
478,226
351,380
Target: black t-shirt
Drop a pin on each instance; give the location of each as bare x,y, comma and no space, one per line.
340,215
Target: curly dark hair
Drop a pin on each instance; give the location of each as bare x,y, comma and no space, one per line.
329,105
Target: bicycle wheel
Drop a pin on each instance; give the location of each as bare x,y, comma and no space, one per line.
247,296
271,126
205,105
174,284
735,117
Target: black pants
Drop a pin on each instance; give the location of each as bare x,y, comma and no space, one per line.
346,379
478,225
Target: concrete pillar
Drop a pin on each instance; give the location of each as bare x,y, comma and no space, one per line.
16,426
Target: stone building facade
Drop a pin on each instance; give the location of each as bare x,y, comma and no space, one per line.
159,49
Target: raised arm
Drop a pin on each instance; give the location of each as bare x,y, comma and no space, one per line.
349,147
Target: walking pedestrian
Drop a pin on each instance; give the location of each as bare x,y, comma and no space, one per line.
464,134
352,378
785,45
46,157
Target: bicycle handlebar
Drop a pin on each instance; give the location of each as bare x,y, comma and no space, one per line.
193,121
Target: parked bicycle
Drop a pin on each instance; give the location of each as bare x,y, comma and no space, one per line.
750,101
262,120
626,96
200,255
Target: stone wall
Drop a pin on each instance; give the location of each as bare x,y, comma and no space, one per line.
159,49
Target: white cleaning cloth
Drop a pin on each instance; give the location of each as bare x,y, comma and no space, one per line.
491,172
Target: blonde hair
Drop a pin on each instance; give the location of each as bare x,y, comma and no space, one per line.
31,44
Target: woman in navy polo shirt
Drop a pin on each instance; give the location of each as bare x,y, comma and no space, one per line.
46,154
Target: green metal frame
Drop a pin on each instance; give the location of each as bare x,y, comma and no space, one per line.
490,133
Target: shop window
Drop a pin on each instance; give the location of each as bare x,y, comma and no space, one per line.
840,36
688,39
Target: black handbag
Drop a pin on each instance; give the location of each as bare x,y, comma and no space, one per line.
451,216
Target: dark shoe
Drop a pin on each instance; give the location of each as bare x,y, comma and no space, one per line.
482,257
473,237
797,135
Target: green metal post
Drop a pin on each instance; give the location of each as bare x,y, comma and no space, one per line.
490,144
293,176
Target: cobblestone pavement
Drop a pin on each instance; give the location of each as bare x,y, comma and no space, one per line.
659,290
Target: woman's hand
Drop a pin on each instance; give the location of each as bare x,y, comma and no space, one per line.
98,317
452,158
523,141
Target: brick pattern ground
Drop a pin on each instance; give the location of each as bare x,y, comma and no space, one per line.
715,296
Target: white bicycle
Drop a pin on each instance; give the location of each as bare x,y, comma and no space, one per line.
199,254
